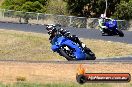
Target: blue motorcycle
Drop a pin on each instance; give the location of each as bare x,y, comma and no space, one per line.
112,28
68,48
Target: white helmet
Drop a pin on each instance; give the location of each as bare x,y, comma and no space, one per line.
103,16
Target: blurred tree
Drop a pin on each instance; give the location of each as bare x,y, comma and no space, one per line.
124,10
120,9
91,8
56,7
25,5
75,7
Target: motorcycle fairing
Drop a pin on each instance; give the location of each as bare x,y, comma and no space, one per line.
78,53
111,24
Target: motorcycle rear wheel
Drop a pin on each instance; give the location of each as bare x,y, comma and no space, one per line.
90,54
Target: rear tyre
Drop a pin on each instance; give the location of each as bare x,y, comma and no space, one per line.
65,54
120,33
89,57
90,54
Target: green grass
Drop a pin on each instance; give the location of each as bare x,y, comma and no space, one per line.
57,85
77,85
35,46
66,85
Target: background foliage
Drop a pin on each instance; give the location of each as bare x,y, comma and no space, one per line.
56,7
25,5
120,9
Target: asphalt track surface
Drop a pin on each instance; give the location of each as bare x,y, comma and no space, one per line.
81,33
124,60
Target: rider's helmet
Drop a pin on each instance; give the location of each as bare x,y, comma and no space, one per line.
64,32
103,17
51,28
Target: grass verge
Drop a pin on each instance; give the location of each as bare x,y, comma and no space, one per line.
20,45
63,85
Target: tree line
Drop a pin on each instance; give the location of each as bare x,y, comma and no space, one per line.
120,9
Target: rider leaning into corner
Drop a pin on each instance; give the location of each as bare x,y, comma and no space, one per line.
53,32
101,21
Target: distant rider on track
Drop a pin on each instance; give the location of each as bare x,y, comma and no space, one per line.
101,21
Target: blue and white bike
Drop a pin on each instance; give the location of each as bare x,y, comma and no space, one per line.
68,48
112,28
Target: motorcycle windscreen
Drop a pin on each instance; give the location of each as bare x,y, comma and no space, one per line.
79,54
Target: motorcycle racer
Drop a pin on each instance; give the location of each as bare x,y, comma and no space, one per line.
68,45
54,33
101,21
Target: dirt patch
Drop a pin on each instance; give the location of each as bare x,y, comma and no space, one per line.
53,73
1,1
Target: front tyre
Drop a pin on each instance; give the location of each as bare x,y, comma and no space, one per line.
120,33
67,53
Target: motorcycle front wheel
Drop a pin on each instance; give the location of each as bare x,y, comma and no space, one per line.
66,52
120,33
